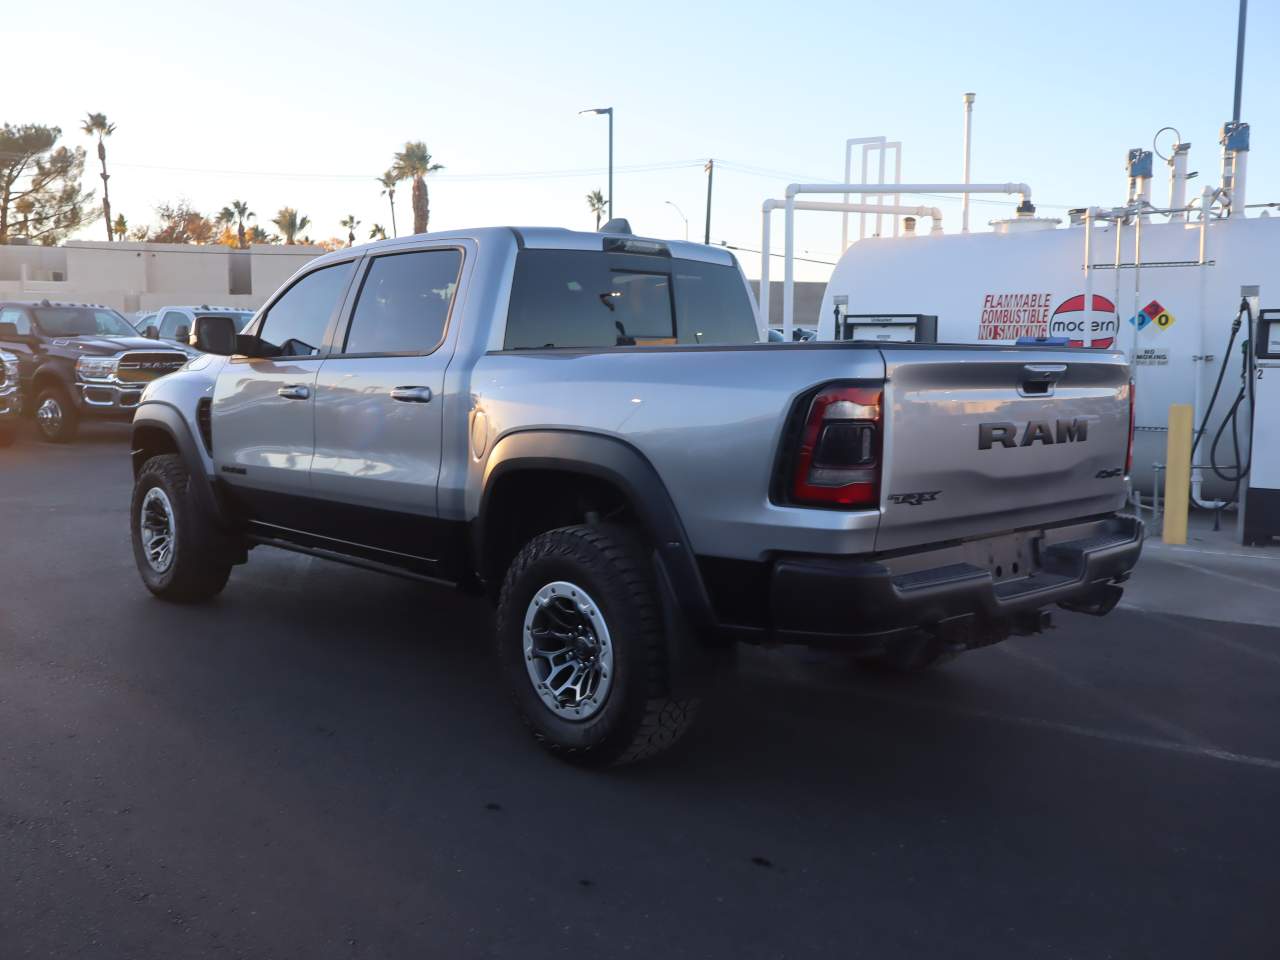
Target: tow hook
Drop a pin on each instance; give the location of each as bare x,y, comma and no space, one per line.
1098,603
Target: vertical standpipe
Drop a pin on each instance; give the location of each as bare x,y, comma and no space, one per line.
848,178
968,143
1178,181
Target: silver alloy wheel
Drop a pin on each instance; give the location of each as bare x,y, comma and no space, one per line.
156,525
568,651
49,416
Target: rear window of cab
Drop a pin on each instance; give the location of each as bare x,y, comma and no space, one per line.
591,299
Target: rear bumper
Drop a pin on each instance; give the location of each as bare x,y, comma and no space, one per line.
839,600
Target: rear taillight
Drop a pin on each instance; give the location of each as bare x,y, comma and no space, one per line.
838,462
1128,457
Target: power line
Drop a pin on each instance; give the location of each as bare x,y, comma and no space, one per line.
730,246
451,177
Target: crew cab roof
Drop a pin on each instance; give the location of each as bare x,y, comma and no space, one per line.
538,238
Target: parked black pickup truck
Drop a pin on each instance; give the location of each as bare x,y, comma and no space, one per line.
80,360
10,397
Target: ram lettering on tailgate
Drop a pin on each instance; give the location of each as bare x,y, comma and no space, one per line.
1034,431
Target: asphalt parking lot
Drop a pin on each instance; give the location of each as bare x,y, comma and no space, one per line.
321,764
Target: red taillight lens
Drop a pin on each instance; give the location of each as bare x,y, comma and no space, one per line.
838,462
1128,457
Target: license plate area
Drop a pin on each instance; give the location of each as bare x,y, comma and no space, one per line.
1010,557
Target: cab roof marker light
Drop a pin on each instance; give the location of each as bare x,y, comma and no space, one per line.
652,248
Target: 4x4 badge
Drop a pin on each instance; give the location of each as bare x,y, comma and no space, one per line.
914,499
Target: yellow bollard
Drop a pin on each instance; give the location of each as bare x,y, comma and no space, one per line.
1177,493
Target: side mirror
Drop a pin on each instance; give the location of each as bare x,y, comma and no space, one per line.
214,335
183,333
9,331
152,332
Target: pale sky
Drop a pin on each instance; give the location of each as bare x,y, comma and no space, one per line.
304,104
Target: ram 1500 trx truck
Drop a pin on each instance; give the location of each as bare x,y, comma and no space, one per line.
588,428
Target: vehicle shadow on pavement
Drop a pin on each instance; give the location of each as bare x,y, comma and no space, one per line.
331,751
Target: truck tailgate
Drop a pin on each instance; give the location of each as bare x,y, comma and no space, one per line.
983,440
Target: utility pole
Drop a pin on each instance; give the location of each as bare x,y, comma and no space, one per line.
711,172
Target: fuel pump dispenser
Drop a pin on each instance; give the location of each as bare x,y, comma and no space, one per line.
1260,503
883,327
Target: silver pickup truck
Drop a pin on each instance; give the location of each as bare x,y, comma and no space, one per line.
593,430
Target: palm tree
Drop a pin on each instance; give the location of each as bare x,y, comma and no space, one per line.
598,205
290,223
96,123
377,232
239,214
414,163
120,227
256,234
350,222
389,181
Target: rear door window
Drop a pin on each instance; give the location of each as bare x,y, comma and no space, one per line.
404,303
586,299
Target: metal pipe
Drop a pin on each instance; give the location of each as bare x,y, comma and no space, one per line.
1239,166
1116,298
896,146
763,298
968,133
1137,283
880,198
896,210
848,176
1178,181
1088,272
788,270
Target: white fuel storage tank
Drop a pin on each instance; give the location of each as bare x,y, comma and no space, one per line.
1170,303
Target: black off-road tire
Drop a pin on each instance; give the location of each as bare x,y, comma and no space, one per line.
638,719
200,562
68,423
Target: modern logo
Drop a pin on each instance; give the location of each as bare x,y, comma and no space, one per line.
1096,328
1033,432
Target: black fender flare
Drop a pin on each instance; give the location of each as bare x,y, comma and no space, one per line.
679,578
158,415
58,370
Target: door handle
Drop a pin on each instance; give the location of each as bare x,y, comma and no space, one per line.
294,391
411,394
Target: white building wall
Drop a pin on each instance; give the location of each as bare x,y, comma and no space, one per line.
144,276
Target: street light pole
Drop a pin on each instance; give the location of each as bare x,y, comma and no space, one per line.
682,217
711,172
609,111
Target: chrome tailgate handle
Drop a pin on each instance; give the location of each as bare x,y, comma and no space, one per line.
411,394
294,391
